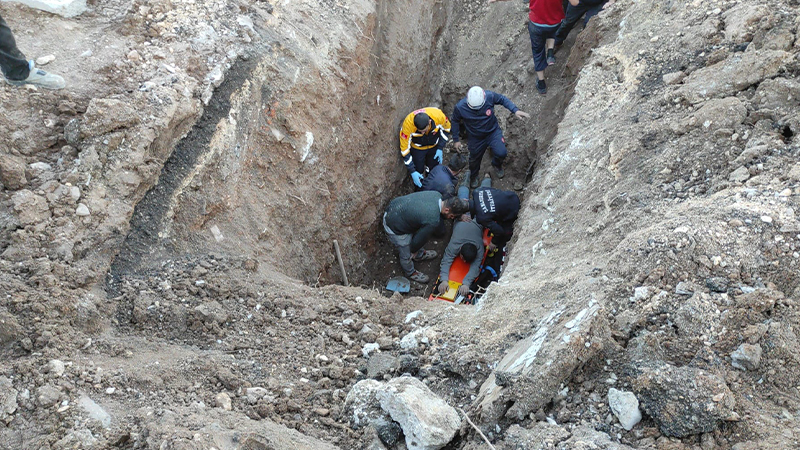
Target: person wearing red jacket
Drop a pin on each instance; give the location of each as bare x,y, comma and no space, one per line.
545,17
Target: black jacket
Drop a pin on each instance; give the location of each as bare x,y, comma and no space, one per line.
496,210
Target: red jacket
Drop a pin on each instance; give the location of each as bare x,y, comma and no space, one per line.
546,12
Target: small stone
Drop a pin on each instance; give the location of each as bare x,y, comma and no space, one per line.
766,219
55,367
385,343
322,412
684,288
82,210
736,223
746,357
717,284
45,60
369,348
625,407
134,56
739,175
223,401
86,54
111,390
412,315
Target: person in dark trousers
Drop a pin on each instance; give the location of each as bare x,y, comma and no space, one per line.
496,210
545,17
483,131
423,135
466,243
17,70
575,10
444,179
409,222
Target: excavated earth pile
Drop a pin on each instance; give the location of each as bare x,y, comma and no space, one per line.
167,219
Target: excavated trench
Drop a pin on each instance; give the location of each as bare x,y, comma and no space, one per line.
274,171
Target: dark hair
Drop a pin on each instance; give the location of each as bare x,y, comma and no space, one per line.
457,205
469,252
457,162
421,121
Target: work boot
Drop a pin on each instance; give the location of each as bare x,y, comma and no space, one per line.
474,182
541,86
39,77
499,172
551,57
419,277
424,255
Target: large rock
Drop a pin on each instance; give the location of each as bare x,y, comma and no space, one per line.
778,93
683,400
720,113
362,405
30,208
8,400
105,114
531,373
428,422
740,21
10,329
736,73
380,364
12,171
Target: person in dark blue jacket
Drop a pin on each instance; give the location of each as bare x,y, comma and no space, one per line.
444,179
496,210
483,131
575,10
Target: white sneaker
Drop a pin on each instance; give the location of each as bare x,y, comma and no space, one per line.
39,77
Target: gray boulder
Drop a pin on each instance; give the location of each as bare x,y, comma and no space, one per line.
746,357
682,400
428,422
625,407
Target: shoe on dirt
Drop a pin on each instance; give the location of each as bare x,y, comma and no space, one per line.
39,77
424,255
474,182
499,172
419,277
551,57
541,86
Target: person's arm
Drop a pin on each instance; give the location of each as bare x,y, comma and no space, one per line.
447,260
421,237
500,99
574,2
405,142
456,127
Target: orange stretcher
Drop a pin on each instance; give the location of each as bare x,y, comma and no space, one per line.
458,270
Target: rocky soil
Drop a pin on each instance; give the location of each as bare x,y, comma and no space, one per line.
166,226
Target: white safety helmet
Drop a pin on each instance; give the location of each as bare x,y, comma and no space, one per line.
476,97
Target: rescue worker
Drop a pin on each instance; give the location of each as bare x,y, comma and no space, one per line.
496,210
409,222
544,18
483,131
444,178
423,135
466,243
576,9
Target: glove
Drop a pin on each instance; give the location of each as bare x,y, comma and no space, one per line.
443,286
438,156
417,177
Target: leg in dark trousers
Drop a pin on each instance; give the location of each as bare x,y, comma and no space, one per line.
573,15
477,147
498,145
423,158
12,61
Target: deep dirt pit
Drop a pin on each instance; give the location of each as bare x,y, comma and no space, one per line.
633,194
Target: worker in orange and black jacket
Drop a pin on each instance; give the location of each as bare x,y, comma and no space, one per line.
423,136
